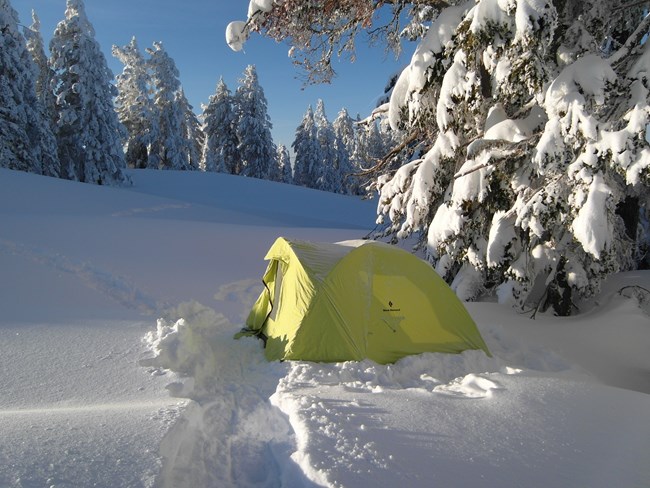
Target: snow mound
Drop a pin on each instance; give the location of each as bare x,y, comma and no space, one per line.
471,386
425,371
228,434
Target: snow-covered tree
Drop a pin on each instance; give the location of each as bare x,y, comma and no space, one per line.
256,148
284,165
330,178
306,147
171,146
370,144
525,126
88,131
537,143
193,140
45,75
220,137
26,141
346,144
44,81
135,108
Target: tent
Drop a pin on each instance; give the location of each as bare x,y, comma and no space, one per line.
356,300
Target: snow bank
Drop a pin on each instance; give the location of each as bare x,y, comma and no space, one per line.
231,417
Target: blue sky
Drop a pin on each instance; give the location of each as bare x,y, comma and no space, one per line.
193,34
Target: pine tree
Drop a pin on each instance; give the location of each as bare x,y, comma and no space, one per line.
534,150
256,147
193,133
45,75
220,138
44,80
329,178
344,130
284,165
88,131
25,138
135,108
524,159
370,144
345,143
171,148
307,150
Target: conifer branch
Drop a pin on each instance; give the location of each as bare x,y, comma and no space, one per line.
510,149
383,162
632,42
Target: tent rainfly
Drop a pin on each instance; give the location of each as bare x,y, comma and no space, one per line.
356,300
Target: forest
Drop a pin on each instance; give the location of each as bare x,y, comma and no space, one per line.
66,115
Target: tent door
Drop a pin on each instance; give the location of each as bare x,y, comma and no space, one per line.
277,293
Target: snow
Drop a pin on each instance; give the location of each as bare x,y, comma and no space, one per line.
502,235
565,97
413,78
236,35
527,15
256,6
118,366
594,233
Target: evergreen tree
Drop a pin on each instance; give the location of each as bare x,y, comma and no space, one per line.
171,146
536,150
344,130
256,147
88,131
134,106
26,141
345,143
524,158
44,80
193,140
329,178
220,138
284,165
370,145
307,150
45,75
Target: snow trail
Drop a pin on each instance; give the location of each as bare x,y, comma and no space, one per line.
119,288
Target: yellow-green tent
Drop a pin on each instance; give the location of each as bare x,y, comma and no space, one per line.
341,302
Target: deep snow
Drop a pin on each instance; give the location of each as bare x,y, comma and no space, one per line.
118,368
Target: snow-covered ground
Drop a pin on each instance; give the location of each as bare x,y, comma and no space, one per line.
118,368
